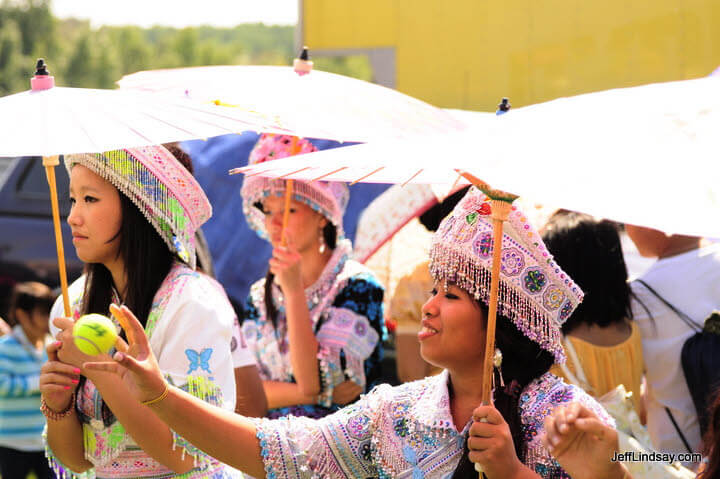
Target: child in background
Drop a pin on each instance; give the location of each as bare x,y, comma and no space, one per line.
22,354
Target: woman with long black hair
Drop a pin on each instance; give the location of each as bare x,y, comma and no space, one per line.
435,427
133,218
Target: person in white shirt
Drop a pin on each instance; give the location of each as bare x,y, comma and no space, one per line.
685,275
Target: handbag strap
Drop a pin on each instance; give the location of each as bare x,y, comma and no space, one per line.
684,317
677,429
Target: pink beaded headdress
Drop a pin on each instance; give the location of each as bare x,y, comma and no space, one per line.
160,186
534,292
327,198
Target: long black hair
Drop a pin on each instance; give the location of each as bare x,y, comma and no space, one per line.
589,251
523,361
147,260
329,233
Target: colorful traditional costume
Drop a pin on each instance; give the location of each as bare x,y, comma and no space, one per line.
408,431
345,303
189,325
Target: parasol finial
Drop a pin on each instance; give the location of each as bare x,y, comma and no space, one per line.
302,65
503,107
42,79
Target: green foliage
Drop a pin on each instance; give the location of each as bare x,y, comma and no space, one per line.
80,56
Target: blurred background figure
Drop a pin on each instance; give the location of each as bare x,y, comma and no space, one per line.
674,295
315,322
22,353
602,343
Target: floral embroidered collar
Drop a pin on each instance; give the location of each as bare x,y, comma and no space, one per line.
431,406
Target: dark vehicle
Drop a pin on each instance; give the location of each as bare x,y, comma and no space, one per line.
27,242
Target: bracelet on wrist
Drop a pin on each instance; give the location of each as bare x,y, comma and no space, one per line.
162,396
57,415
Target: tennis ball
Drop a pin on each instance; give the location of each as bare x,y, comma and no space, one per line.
94,334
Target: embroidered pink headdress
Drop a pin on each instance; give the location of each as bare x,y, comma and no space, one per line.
327,198
160,186
534,292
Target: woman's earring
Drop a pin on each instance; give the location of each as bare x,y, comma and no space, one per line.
321,249
497,362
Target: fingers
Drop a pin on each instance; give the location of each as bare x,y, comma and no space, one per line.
57,376
57,382
561,423
52,350
63,323
594,426
60,368
128,362
120,318
121,345
287,254
133,329
553,437
479,444
487,414
108,367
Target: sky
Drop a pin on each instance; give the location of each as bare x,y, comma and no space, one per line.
178,13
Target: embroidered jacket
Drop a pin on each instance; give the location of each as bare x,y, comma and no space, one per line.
346,311
403,432
190,332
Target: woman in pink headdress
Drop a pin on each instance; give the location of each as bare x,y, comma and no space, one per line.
315,322
434,427
133,218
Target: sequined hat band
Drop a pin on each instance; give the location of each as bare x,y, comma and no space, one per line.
160,186
534,292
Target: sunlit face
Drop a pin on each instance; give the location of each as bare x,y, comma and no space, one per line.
95,216
453,329
304,224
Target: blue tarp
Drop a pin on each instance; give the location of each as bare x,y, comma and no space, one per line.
240,256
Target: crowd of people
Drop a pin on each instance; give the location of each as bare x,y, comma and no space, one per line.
292,386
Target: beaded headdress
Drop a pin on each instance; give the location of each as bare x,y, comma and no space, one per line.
160,186
535,293
327,198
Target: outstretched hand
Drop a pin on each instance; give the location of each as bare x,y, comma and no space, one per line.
137,367
582,444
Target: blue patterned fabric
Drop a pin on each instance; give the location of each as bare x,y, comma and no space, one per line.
346,294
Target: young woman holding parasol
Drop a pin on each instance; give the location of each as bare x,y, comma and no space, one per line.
134,216
419,429
315,322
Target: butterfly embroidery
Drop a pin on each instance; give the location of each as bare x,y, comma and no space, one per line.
199,361
411,457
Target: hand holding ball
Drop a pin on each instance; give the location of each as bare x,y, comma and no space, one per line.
94,334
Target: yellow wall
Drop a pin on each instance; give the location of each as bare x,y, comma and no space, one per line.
469,53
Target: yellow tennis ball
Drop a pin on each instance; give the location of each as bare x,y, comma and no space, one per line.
94,334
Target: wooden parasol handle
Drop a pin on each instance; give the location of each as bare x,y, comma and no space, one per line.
295,148
500,205
50,162
500,212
